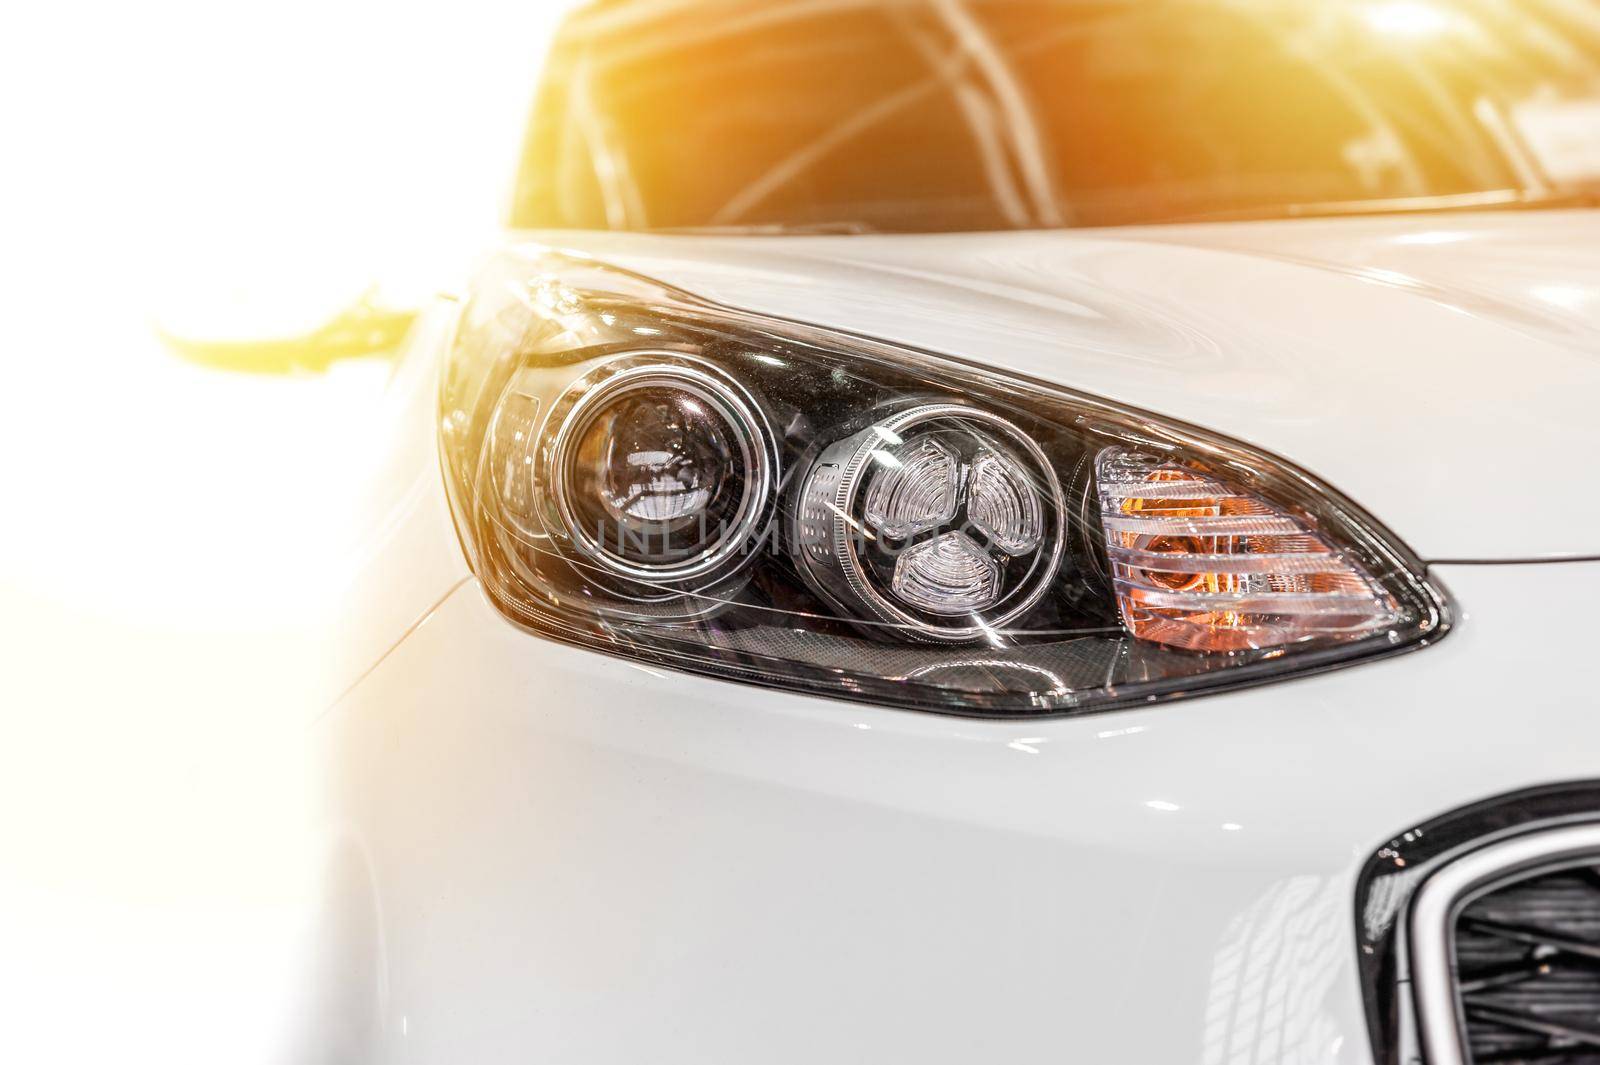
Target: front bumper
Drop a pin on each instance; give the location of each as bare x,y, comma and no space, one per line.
572,858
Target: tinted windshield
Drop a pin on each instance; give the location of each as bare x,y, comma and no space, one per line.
938,115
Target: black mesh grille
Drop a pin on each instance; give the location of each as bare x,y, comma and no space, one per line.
1528,959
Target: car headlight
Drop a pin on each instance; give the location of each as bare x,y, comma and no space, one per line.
644,474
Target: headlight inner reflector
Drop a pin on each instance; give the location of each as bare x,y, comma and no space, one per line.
946,541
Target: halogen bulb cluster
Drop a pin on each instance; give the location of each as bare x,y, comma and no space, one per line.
944,521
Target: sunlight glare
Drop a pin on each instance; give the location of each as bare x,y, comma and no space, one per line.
1406,18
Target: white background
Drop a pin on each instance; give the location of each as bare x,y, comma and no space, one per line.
171,536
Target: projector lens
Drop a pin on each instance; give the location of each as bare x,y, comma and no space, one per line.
660,471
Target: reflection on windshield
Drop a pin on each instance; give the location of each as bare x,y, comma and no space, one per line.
937,115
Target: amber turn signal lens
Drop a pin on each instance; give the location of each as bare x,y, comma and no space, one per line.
1202,565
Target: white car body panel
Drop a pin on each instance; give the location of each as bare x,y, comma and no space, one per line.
409,556
577,858
565,856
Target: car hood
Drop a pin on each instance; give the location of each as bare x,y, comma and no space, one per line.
1442,370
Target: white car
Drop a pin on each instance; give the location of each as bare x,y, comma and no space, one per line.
996,532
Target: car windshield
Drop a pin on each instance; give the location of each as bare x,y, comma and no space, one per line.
942,115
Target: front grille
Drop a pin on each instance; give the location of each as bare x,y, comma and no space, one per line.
1478,933
1528,970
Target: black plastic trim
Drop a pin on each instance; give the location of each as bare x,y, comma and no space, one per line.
1393,873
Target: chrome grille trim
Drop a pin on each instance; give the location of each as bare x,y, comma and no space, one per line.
1434,910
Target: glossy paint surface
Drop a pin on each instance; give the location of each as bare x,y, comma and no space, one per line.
575,858
409,555
1439,369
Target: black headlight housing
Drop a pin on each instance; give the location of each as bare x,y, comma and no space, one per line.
645,474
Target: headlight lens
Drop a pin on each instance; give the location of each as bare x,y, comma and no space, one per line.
924,522
647,475
1201,566
658,467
